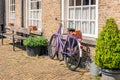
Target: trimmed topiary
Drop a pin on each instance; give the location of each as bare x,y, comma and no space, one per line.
107,54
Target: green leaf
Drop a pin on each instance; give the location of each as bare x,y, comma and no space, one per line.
33,41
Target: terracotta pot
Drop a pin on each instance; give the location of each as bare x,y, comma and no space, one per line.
33,27
10,24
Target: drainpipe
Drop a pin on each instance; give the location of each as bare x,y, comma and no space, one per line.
62,16
4,14
21,13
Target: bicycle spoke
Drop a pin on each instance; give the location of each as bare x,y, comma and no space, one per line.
72,59
52,47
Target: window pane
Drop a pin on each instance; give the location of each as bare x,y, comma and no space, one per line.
38,23
13,14
71,24
34,23
34,14
71,13
78,25
78,13
85,2
30,22
71,2
14,7
78,2
93,2
13,1
33,5
39,14
85,13
38,5
10,8
92,28
30,15
92,13
85,26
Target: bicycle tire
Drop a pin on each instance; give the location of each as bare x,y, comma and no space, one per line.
60,55
51,47
73,60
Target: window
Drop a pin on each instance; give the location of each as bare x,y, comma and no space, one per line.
34,13
82,15
12,11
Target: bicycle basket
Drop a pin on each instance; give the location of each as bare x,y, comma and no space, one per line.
76,33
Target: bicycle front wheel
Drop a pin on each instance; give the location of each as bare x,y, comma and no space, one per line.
52,46
72,58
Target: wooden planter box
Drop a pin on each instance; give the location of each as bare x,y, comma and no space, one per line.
33,28
10,24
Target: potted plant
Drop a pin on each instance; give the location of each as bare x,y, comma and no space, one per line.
107,54
10,24
33,27
35,45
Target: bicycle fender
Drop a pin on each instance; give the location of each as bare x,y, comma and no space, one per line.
79,44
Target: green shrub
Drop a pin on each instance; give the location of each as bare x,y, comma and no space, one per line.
33,41
108,46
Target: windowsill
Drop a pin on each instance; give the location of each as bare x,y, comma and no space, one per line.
89,40
37,32
86,40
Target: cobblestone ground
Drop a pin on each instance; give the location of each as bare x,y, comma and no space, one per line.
18,66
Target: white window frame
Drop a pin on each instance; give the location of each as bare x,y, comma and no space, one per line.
32,19
11,12
95,35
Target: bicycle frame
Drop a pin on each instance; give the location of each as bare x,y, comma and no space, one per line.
60,45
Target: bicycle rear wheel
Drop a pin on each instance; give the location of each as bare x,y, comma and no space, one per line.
72,58
52,46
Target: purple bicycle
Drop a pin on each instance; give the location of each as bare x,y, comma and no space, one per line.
69,50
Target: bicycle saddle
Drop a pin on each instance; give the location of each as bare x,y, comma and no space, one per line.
71,29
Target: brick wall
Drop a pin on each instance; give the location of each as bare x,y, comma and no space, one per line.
51,9
24,13
107,9
17,13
